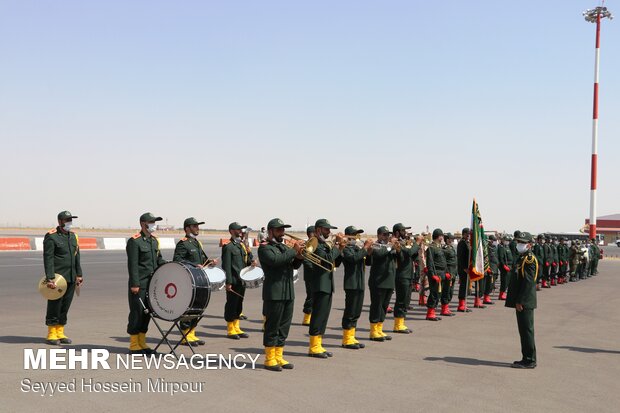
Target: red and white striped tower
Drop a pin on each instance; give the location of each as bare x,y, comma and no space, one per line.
594,16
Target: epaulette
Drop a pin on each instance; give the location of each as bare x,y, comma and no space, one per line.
52,231
184,239
136,236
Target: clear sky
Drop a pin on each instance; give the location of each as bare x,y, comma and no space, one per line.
363,112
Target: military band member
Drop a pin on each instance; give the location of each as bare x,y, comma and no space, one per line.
595,255
563,255
491,275
522,297
553,246
462,257
236,255
61,255
404,276
143,258
423,244
574,260
322,286
189,249
505,261
438,278
307,275
451,262
381,282
548,263
354,261
278,262
539,251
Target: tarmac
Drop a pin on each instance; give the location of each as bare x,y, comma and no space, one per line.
459,364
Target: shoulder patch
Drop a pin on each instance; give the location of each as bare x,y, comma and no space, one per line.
184,239
52,231
136,236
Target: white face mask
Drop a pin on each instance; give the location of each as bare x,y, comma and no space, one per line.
67,226
237,239
151,228
192,235
495,243
522,248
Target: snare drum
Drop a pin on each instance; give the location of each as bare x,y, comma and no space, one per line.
216,276
252,277
295,276
178,289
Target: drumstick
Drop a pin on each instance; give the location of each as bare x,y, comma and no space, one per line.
234,292
207,262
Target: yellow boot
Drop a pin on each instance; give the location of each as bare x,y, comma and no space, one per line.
329,354
315,348
270,359
348,341
240,332
187,339
142,342
134,344
375,334
306,321
52,336
60,333
399,326
355,340
194,338
385,336
280,359
232,331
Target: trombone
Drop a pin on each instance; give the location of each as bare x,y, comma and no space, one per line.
309,254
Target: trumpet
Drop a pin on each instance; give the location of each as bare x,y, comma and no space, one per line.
309,254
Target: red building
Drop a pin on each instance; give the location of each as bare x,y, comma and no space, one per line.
609,226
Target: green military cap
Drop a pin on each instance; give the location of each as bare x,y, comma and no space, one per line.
383,230
399,227
437,232
465,231
351,230
191,221
524,237
277,223
323,223
310,229
492,237
148,217
236,225
448,235
506,238
517,234
65,215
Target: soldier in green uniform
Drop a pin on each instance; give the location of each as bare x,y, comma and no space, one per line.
595,255
307,274
236,255
462,258
322,286
574,260
278,262
522,297
546,281
438,278
504,258
189,249
354,261
553,268
404,276
539,251
563,255
143,258
491,275
381,281
451,262
61,255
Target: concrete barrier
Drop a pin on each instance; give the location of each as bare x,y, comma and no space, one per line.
114,243
166,243
87,243
38,243
15,244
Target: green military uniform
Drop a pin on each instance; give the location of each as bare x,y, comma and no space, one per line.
322,287
555,259
505,262
539,252
546,281
563,256
451,262
308,268
404,276
491,275
189,249
278,262
438,279
354,261
235,257
595,255
522,290
61,255
143,258
381,283
462,259
574,260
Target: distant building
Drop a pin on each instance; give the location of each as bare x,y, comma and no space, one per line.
608,226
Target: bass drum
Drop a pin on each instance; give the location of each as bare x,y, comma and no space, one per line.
178,289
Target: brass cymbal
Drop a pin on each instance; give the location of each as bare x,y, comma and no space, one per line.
56,293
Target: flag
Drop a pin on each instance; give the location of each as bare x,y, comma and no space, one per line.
478,260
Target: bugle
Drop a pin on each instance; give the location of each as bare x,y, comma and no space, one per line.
308,252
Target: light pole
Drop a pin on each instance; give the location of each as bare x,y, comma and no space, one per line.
594,16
